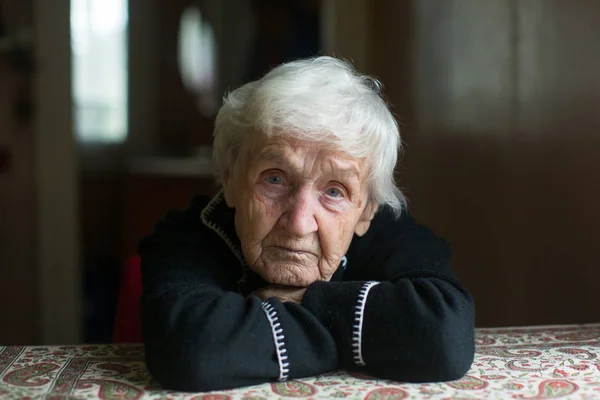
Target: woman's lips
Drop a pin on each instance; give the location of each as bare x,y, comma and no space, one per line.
291,250
294,251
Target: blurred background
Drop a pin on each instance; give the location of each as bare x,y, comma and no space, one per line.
106,114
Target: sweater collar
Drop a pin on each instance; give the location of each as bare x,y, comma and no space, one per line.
219,217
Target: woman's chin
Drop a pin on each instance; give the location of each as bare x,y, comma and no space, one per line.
288,274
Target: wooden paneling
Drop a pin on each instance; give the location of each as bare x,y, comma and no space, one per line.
101,203
119,209
146,200
500,105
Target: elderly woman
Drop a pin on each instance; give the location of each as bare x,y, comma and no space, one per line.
306,261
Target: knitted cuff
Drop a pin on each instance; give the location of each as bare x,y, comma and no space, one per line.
334,304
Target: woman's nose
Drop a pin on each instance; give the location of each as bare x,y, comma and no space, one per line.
299,219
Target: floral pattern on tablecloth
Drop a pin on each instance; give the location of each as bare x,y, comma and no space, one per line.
516,363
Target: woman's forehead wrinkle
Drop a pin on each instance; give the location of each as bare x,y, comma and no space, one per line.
346,168
270,154
299,157
285,154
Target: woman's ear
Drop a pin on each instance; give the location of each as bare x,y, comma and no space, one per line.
364,223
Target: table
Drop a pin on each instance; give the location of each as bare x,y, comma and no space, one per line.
521,363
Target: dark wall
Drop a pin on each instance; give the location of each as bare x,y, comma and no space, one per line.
19,314
499,101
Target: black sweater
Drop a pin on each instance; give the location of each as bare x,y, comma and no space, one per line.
394,308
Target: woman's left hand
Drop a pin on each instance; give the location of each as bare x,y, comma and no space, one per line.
283,293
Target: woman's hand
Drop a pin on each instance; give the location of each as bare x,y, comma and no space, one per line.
283,293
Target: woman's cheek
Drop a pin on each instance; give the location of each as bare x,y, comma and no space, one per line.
267,203
336,208
272,195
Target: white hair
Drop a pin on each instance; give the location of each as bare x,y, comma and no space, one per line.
320,99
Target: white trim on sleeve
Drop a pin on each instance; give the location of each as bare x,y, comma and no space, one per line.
278,338
359,312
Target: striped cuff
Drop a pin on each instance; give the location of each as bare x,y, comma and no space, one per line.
278,339
357,328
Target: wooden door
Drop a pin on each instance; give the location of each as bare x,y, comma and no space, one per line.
500,106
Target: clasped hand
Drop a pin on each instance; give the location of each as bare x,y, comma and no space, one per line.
283,293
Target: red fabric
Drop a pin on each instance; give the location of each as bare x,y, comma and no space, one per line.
128,327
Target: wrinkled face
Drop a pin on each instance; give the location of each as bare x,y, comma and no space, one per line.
298,205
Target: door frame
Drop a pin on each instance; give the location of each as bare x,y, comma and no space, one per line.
57,188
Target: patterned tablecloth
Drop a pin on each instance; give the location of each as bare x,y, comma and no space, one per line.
519,363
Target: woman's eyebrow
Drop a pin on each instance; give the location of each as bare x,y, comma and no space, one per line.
273,156
347,170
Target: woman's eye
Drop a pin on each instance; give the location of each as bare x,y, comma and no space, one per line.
274,180
333,192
